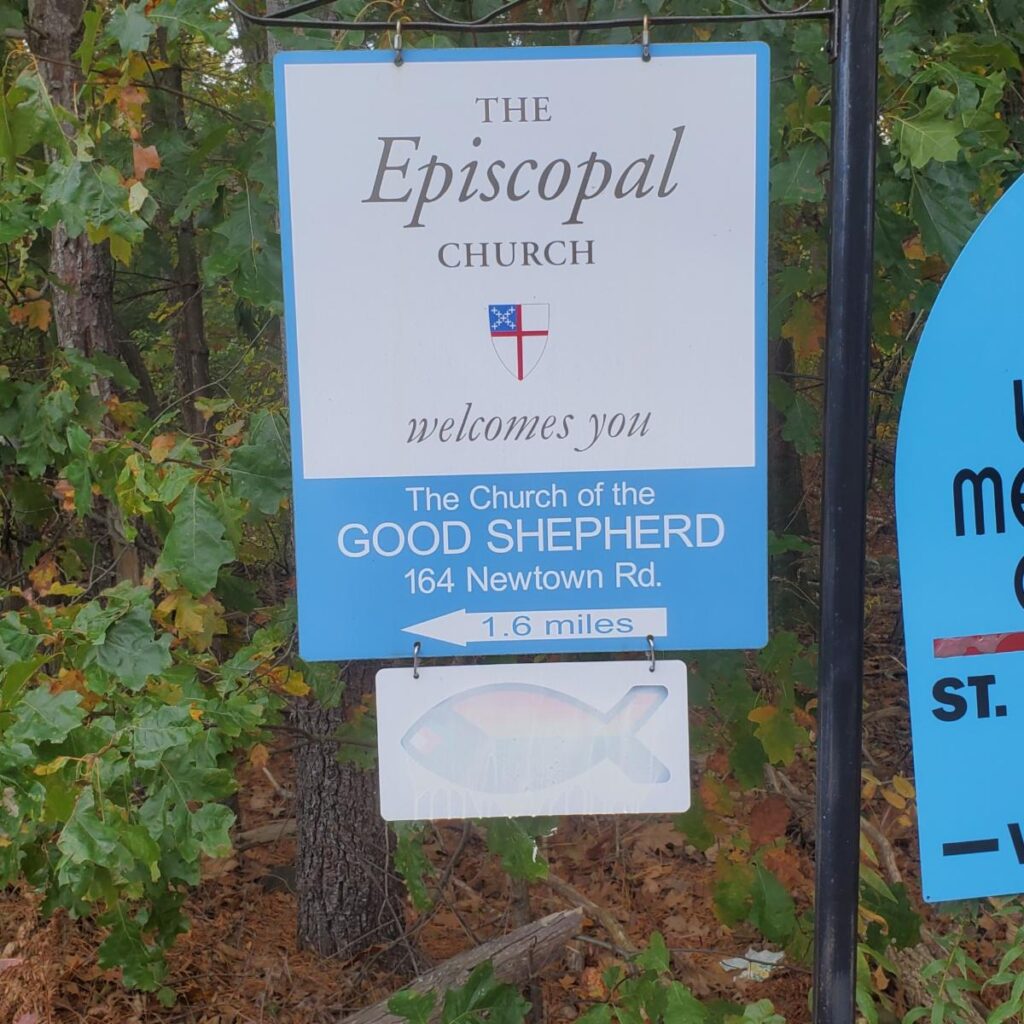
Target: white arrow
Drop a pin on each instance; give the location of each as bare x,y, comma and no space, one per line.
463,627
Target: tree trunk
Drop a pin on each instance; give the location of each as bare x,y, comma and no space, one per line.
787,510
191,353
83,274
349,897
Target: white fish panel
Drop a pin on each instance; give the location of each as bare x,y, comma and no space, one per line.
584,737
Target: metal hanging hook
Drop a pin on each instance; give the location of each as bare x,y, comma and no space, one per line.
650,651
645,50
396,44
416,659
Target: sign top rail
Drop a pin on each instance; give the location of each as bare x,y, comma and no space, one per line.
286,18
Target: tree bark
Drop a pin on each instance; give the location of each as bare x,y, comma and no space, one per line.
787,511
191,352
349,897
83,274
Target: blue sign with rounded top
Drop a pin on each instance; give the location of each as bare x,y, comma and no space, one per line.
526,347
960,519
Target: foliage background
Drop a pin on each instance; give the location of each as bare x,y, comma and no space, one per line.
146,627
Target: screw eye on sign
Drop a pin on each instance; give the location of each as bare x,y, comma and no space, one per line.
525,308
960,518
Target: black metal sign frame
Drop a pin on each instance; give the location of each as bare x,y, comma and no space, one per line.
853,43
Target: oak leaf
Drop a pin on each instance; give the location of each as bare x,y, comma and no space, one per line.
162,446
806,326
768,819
784,865
34,313
144,158
64,492
44,574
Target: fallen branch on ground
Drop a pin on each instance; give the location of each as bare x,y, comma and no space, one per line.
516,957
265,834
602,915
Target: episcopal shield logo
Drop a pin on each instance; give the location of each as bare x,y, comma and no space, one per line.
519,334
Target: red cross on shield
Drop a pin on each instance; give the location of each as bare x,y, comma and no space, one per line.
519,333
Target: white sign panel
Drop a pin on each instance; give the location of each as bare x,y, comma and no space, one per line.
479,741
526,315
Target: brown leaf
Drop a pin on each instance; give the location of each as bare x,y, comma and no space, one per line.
783,864
144,158
35,313
806,326
44,574
913,249
130,100
593,984
64,492
716,795
162,446
768,819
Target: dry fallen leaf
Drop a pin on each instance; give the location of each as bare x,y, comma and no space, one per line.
768,819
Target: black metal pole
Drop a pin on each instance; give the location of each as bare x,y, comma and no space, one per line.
851,263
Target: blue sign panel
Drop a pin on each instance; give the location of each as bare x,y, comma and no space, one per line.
526,348
960,517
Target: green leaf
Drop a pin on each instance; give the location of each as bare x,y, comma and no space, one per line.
681,1006
904,923
930,134
944,215
747,758
412,864
415,1007
259,471
517,847
483,992
45,717
211,826
142,965
131,652
599,1013
773,912
779,734
796,179
14,677
694,825
86,838
91,23
130,28
733,893
655,957
163,728
762,1012
193,18
195,548
141,845
802,424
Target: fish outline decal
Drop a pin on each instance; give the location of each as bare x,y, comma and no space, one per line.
520,737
